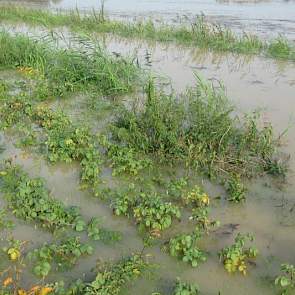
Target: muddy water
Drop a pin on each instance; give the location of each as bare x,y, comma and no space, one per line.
250,83
266,17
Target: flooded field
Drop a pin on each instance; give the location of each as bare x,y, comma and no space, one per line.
144,136
267,18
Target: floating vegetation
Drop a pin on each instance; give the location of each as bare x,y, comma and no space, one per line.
5,223
236,257
199,32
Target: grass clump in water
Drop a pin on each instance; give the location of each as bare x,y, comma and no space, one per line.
63,70
198,33
200,129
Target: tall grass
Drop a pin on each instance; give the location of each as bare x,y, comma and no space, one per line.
68,70
200,33
199,128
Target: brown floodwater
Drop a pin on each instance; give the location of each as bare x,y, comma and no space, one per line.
251,83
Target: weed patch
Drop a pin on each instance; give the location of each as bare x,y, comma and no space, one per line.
198,129
66,70
199,32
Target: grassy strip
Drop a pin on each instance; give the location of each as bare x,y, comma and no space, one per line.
201,33
59,71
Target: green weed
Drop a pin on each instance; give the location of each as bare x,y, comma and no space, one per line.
198,128
199,33
60,71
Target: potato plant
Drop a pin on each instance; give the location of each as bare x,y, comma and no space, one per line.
30,200
183,288
63,255
185,247
237,256
286,281
110,280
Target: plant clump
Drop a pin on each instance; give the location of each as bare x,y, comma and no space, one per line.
185,247
64,255
149,211
31,201
200,130
286,281
237,256
183,288
110,280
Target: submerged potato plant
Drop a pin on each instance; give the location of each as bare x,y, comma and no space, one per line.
111,280
63,256
184,288
237,256
30,200
286,281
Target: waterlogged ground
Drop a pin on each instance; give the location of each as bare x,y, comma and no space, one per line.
251,82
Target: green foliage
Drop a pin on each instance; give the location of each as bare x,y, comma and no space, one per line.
4,222
236,257
184,246
176,188
63,255
63,140
183,288
199,33
235,188
281,48
198,129
30,200
286,281
96,232
124,159
196,198
69,70
112,279
149,211
66,142
154,214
